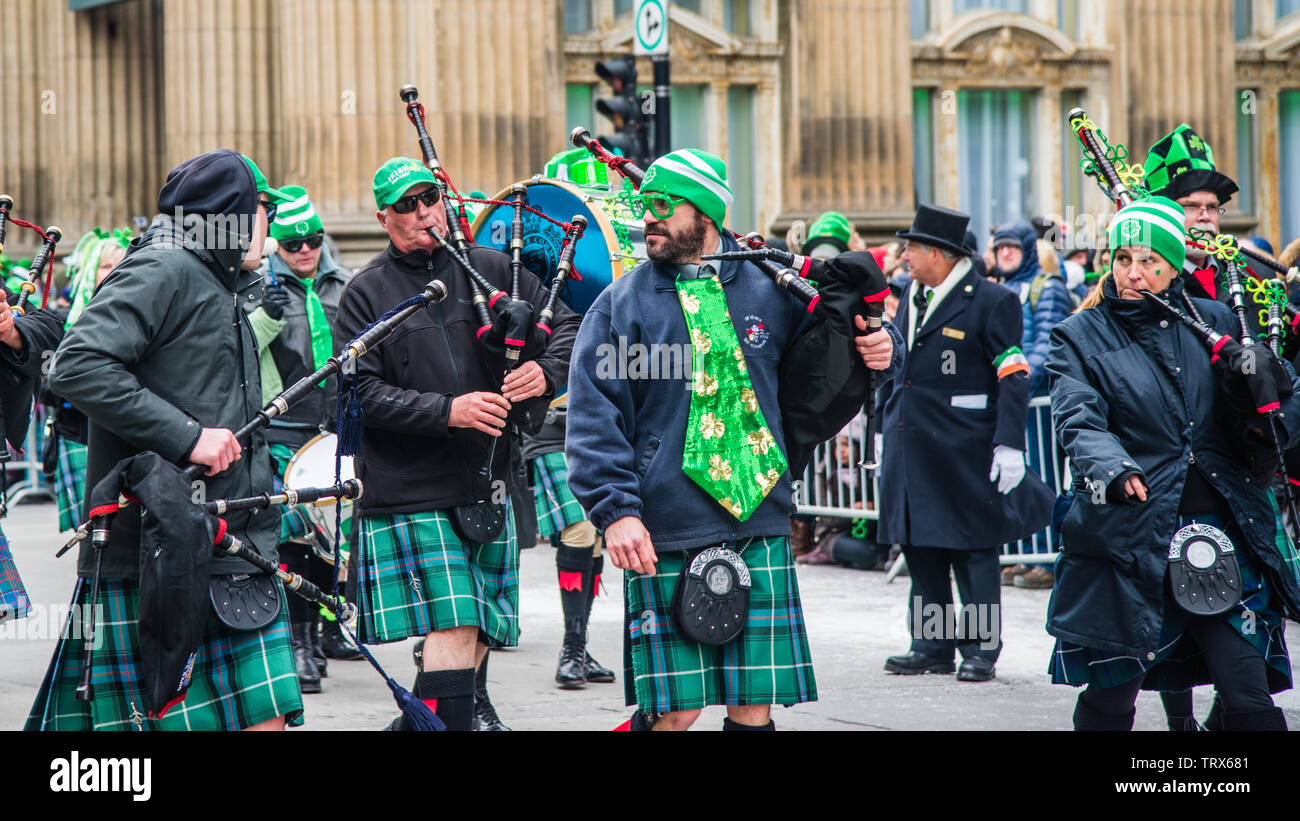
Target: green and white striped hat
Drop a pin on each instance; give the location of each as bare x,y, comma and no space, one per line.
1155,223
694,175
297,217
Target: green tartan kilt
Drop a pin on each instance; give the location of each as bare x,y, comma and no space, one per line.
241,678
70,483
415,576
769,663
556,506
14,603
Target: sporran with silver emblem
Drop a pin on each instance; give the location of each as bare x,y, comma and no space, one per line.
1204,576
711,599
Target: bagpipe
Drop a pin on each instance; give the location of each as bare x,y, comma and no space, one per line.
42,264
155,483
1121,181
1252,376
824,382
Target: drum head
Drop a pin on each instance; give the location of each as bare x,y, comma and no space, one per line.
599,258
313,466
613,243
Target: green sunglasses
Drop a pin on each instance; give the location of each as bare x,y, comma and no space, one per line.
661,206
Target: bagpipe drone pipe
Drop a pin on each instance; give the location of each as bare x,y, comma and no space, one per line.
824,383
1253,388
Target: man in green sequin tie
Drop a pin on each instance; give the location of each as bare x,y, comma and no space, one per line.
668,461
292,323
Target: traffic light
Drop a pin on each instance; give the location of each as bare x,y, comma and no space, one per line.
631,124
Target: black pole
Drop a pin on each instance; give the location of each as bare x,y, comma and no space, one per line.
663,107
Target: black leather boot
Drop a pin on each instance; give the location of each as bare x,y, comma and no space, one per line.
574,567
486,719
334,644
304,664
318,652
593,669
571,672
1087,718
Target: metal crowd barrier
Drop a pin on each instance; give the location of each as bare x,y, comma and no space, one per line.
834,486
28,464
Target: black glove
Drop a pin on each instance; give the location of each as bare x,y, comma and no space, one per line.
274,301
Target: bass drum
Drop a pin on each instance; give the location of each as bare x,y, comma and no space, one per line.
313,466
613,244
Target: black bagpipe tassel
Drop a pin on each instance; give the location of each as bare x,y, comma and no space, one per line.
351,421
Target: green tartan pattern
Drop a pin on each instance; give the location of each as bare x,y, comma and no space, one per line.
70,483
415,576
241,678
769,663
556,506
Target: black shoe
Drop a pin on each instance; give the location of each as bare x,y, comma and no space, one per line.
570,672
913,663
336,645
317,652
976,668
595,672
485,715
304,664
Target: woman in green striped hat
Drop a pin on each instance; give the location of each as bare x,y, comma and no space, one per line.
1156,449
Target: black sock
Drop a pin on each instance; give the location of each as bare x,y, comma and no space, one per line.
453,692
732,727
480,675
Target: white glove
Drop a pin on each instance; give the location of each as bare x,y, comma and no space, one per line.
1008,468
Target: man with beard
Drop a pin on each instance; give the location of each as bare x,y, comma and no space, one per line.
688,479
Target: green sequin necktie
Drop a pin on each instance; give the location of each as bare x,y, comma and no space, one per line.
322,341
730,451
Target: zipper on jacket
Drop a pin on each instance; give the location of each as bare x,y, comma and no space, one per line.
455,369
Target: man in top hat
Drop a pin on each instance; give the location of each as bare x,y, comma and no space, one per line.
953,481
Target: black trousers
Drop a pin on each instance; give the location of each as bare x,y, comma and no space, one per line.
1239,672
976,630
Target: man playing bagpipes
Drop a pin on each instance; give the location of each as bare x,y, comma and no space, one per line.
431,562
687,476
292,321
163,359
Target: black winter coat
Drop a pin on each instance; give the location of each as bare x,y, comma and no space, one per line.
410,460
1133,389
165,349
944,412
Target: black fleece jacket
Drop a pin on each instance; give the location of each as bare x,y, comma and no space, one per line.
410,460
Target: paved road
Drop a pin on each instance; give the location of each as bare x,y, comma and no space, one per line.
854,619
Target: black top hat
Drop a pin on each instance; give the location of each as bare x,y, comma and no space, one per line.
939,228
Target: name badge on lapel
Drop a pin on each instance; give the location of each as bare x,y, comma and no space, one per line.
953,333
971,401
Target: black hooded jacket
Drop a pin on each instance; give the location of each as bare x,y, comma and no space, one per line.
165,349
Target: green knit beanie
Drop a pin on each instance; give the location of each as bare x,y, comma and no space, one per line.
694,175
1155,223
297,217
831,228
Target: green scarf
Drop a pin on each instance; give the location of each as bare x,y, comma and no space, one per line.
322,341
730,451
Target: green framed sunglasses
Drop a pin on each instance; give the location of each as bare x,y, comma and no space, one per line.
661,206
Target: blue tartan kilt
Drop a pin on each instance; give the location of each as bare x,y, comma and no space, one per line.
14,603
557,507
1178,663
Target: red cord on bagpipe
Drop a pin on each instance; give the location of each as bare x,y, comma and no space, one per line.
49,262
